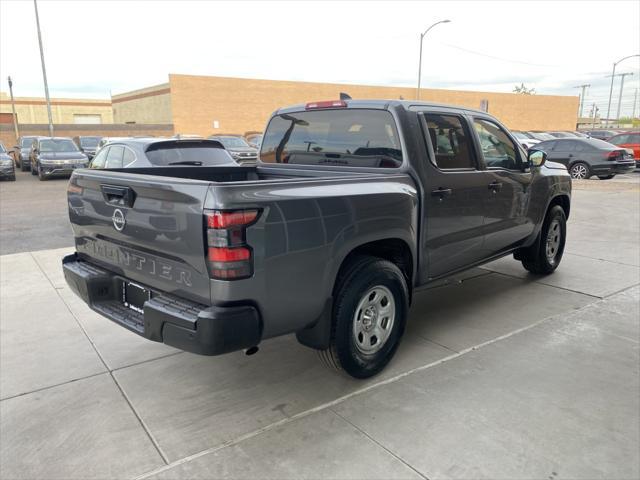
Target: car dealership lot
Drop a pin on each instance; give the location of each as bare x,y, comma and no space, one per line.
501,374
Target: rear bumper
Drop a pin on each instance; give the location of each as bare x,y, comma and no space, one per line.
610,168
180,323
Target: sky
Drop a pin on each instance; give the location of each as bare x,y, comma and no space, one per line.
97,48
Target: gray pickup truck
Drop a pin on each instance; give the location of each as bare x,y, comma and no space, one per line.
352,206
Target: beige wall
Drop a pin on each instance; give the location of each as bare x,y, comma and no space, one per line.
147,105
34,110
245,104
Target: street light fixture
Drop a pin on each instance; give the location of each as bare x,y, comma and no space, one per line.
422,35
613,74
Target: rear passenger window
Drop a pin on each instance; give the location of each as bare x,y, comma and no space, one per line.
114,157
565,146
128,157
99,159
450,142
497,148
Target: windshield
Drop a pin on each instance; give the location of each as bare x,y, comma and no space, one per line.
26,142
89,142
197,153
353,137
2,149
57,145
231,142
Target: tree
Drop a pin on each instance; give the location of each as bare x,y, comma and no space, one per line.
524,90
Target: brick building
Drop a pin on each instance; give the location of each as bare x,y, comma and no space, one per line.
203,105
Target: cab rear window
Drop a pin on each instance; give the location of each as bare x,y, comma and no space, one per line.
349,138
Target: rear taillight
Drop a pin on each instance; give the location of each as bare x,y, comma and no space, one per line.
228,255
326,104
615,155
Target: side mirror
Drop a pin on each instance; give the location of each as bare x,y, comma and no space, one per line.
536,157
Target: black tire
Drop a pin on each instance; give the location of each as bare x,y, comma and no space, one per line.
33,170
358,278
535,258
24,166
606,177
41,176
12,178
576,169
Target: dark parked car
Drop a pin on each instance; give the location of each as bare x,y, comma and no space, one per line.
585,157
21,152
161,152
55,156
7,167
557,134
352,206
238,147
600,134
88,145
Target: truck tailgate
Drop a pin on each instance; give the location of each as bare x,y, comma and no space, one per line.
147,229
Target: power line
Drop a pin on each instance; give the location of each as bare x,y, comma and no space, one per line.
498,58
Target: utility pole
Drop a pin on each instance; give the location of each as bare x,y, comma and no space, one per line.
44,71
583,87
15,117
635,103
594,112
622,75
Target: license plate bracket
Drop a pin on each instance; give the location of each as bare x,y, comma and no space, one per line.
134,296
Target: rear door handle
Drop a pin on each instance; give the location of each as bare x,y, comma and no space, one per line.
495,186
116,195
441,192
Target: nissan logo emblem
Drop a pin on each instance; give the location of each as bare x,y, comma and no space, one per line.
118,220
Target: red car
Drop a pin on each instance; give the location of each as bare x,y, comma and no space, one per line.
630,140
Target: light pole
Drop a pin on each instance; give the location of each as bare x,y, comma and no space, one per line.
422,35
613,74
44,72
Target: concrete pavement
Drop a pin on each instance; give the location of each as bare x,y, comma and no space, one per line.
501,375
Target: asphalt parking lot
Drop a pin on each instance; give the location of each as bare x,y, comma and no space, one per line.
502,374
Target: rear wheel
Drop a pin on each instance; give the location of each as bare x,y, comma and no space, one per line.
369,315
544,256
580,171
606,177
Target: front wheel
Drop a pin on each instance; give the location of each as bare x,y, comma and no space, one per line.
369,315
41,176
33,170
544,256
580,171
